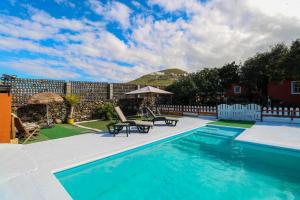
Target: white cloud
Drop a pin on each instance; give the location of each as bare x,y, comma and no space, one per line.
61,23
113,11
13,26
65,2
41,68
189,6
277,7
13,44
215,33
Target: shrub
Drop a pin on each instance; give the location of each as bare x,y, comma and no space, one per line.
106,111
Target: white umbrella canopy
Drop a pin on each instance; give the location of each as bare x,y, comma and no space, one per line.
149,94
149,90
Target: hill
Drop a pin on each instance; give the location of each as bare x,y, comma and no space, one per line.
160,78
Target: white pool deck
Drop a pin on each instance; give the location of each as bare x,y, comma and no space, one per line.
26,171
274,134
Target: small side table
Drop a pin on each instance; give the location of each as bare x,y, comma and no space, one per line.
115,128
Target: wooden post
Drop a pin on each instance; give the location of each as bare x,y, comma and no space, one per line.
138,87
13,129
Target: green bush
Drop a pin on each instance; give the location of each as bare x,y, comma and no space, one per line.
106,111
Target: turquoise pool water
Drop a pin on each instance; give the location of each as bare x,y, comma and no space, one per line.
204,163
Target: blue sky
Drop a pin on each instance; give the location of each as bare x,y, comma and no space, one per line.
116,41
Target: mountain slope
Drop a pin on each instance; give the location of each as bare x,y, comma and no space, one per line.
160,78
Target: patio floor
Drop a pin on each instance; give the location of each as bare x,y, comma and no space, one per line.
275,134
26,171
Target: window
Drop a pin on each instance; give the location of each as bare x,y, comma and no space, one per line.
237,89
295,86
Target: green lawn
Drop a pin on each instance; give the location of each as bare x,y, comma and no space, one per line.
58,131
234,123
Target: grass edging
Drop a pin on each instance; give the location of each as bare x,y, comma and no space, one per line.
86,127
233,123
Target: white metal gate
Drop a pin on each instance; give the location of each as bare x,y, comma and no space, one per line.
249,112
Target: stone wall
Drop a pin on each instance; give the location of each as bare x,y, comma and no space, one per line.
86,110
37,113
91,94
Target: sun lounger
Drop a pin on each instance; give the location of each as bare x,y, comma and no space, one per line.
168,120
142,126
26,130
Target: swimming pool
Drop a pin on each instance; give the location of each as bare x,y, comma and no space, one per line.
203,163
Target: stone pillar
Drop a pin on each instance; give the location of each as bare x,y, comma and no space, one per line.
68,88
110,91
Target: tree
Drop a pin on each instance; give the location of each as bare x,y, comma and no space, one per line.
228,74
208,85
257,71
276,56
184,90
291,62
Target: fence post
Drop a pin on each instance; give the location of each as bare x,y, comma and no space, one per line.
261,113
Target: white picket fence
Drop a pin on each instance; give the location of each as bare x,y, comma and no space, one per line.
188,110
249,112
279,114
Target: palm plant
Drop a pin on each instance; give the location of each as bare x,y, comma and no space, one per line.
72,100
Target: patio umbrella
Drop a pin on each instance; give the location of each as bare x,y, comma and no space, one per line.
45,98
149,91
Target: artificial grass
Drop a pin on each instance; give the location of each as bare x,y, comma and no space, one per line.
234,123
58,131
62,130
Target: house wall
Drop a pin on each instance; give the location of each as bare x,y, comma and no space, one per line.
281,92
230,91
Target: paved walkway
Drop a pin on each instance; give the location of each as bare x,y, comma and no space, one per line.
26,171
274,134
